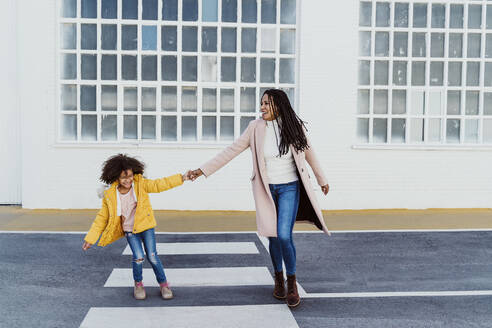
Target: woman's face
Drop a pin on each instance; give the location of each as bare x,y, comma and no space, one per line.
126,179
266,109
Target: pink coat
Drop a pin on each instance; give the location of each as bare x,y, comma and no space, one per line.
266,214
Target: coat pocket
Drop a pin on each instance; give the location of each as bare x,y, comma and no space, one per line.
253,176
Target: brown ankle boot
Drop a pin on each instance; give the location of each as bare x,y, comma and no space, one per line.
279,290
293,298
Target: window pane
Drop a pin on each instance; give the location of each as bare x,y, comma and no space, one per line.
69,97
488,75
89,128
438,15
380,105
108,67
209,100
190,38
190,10
228,39
244,122
418,45
418,103
169,128
169,68
401,15
364,72
149,9
209,128
69,127
149,37
487,103
68,36
88,36
382,44
268,40
471,131
452,131
456,16
109,9
209,39
400,73
435,103
130,127
129,37
227,100
381,72
189,68
267,70
363,130
69,8
454,74
288,12
455,45
382,14
365,13
489,17
248,69
249,11
209,69
420,15
188,128
229,11
418,73
170,10
488,48
130,9
226,128
364,43
379,130
109,97
474,16
400,44
148,127
472,73
454,102
434,134
69,66
248,40
287,41
228,69
109,37
149,68
109,128
209,10
436,73
437,45
399,102
398,126
130,99
474,45
89,67
363,102
248,99
287,70
169,99
269,11
472,102
188,99
417,130
88,8
169,39
149,99
487,131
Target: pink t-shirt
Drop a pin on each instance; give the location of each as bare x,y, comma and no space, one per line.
128,208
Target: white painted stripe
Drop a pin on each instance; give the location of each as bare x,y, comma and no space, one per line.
203,248
192,277
237,316
401,294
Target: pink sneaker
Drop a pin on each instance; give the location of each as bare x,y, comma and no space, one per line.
166,292
139,291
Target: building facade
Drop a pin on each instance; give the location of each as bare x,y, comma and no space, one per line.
397,96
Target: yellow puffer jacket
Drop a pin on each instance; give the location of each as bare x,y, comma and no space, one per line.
109,224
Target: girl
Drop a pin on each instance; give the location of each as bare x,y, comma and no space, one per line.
126,211
281,186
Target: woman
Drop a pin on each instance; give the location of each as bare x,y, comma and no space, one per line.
280,181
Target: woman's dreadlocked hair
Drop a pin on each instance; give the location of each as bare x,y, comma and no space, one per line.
116,164
291,126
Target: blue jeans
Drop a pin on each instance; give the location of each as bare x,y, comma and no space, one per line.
148,239
286,198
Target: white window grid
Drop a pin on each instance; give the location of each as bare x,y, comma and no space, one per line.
237,115
426,117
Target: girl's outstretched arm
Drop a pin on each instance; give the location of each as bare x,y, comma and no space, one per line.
160,185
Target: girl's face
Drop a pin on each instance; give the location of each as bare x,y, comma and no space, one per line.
266,109
126,179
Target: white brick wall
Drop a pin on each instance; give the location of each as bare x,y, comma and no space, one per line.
57,176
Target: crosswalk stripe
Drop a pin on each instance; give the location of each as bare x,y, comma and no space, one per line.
190,277
237,316
203,248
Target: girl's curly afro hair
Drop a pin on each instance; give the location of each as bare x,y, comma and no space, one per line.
116,164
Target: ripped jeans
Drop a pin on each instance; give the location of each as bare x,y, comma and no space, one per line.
148,239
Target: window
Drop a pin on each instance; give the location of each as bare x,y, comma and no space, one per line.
171,71
425,72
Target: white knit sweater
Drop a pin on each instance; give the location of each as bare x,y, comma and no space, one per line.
279,169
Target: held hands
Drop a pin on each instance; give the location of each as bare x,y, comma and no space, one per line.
325,188
192,175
